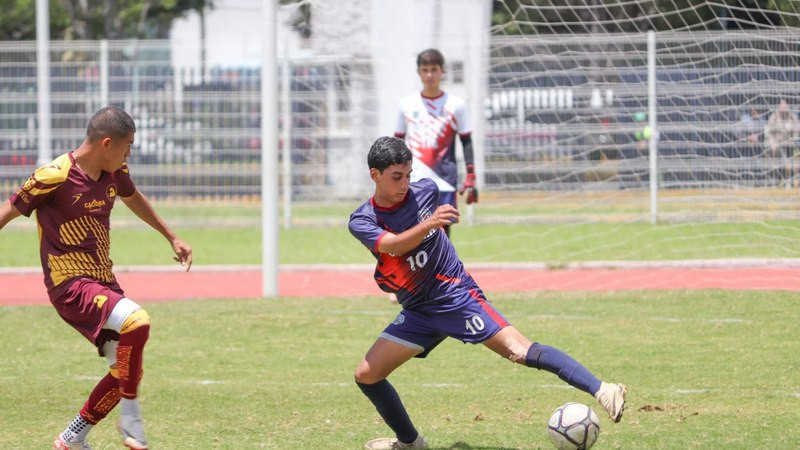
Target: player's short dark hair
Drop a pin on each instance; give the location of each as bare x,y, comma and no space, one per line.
110,122
430,56
387,151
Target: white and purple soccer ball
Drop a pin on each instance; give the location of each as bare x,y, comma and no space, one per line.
573,426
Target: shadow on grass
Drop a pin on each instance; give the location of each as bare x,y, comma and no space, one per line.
465,446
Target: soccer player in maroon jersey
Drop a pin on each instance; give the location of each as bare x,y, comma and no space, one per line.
428,122
401,225
73,196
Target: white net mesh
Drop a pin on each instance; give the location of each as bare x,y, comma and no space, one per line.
558,95
569,108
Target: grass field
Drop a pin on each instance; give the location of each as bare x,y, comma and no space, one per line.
223,234
706,369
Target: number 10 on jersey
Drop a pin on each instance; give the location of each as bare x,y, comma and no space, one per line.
418,261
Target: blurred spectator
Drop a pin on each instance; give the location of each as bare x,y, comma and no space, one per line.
750,126
781,131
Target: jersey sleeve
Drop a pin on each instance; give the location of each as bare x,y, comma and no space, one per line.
462,118
366,230
125,186
39,188
400,125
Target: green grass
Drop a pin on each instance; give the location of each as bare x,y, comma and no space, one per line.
706,369
550,243
229,233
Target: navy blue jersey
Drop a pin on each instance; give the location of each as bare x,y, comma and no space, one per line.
431,273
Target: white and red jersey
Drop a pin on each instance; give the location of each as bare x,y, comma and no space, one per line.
429,127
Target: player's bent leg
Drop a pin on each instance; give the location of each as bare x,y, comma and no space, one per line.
133,325
385,355
544,357
509,343
370,376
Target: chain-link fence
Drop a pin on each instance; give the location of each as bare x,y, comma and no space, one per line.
563,114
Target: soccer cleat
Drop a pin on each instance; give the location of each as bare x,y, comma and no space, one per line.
132,431
393,443
612,397
60,444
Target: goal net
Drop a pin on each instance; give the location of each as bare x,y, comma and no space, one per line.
622,114
612,130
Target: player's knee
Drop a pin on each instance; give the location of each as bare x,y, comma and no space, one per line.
363,375
136,320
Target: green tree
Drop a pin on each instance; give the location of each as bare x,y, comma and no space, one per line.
109,19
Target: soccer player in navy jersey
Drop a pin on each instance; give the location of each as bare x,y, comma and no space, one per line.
73,196
429,121
402,226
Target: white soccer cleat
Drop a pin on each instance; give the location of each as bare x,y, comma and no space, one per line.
60,444
393,443
612,397
132,431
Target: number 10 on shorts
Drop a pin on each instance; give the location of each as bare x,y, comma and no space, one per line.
475,324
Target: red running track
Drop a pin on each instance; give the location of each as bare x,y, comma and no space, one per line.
26,287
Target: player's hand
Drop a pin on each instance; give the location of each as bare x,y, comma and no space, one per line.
183,252
469,188
444,215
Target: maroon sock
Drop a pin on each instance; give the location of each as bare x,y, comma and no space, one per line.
129,360
102,400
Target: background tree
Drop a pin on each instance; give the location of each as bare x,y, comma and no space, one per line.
108,19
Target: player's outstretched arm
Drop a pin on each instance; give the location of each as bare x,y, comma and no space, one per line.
400,244
8,213
140,206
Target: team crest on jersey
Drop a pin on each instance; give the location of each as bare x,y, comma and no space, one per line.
399,319
111,191
29,184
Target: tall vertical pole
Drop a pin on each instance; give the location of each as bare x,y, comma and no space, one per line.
104,73
269,152
43,81
651,119
286,151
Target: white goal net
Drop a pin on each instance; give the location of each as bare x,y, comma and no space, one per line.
646,110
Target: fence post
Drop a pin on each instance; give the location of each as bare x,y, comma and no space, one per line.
269,152
43,82
103,73
651,118
286,150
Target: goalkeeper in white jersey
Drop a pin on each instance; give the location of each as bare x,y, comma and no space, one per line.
428,121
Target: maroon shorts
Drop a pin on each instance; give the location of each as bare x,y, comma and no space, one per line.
85,304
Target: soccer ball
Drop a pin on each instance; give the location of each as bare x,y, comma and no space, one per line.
573,426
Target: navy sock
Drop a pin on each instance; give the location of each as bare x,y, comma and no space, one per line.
544,357
389,406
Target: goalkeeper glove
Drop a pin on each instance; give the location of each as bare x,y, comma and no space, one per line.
469,185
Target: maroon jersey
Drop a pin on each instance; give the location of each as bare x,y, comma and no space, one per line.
72,213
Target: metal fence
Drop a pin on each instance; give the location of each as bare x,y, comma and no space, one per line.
563,114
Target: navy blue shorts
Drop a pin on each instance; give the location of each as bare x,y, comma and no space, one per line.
468,318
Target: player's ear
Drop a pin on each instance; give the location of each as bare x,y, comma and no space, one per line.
373,173
106,142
